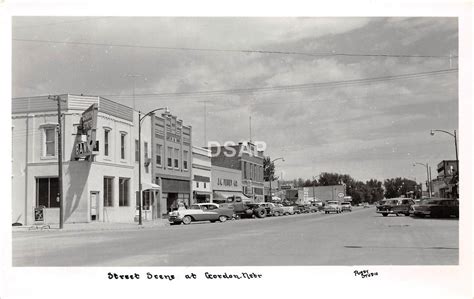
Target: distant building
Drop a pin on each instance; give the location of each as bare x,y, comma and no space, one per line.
246,158
201,171
446,184
322,193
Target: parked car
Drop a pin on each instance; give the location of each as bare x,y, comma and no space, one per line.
346,206
332,206
313,207
436,207
287,210
304,208
395,206
201,212
272,209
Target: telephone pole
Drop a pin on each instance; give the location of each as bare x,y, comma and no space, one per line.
60,162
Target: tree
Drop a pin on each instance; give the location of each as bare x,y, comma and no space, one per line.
375,190
397,187
268,169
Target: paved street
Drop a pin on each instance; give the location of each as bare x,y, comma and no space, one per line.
361,237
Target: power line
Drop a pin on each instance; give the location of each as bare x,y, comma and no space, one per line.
58,23
327,54
295,86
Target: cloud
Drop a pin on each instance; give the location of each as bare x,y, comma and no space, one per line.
361,129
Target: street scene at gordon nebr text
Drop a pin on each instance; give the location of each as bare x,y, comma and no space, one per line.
159,141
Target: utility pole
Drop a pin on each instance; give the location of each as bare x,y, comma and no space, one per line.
60,162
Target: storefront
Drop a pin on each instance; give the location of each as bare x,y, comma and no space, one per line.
174,192
226,183
201,172
99,174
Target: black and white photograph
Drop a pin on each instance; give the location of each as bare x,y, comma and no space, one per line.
145,146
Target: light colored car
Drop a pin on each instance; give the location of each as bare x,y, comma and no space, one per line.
332,206
273,209
287,210
346,206
201,212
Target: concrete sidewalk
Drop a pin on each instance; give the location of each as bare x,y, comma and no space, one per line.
92,226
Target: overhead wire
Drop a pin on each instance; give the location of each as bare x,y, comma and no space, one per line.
247,51
293,87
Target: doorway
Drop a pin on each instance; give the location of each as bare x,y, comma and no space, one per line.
94,206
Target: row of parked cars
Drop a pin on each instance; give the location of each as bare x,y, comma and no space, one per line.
237,208
432,207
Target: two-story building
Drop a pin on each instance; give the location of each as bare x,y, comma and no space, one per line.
446,183
246,158
172,152
202,177
99,168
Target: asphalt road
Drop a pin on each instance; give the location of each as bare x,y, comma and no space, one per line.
360,237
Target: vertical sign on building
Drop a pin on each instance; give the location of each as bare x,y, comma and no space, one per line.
90,147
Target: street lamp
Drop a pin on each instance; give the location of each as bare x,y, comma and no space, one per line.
427,175
140,119
455,143
271,175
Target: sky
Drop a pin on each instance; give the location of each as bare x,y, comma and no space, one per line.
270,70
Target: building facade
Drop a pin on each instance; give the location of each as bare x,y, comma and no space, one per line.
99,183
172,152
202,177
226,182
246,158
446,185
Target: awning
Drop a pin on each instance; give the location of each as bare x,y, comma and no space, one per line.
202,193
225,195
147,186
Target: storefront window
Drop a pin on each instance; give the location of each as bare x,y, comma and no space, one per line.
146,200
108,192
124,192
47,192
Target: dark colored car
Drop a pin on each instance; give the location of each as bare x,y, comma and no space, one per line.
436,207
395,206
304,208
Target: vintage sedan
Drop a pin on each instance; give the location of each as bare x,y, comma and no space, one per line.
395,206
333,206
201,212
436,207
346,206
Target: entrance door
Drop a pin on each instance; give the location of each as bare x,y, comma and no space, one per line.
94,205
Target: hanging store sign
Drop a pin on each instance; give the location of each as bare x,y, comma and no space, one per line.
89,118
89,147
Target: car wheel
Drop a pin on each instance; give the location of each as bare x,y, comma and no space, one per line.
222,218
276,214
407,214
384,214
187,220
261,213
